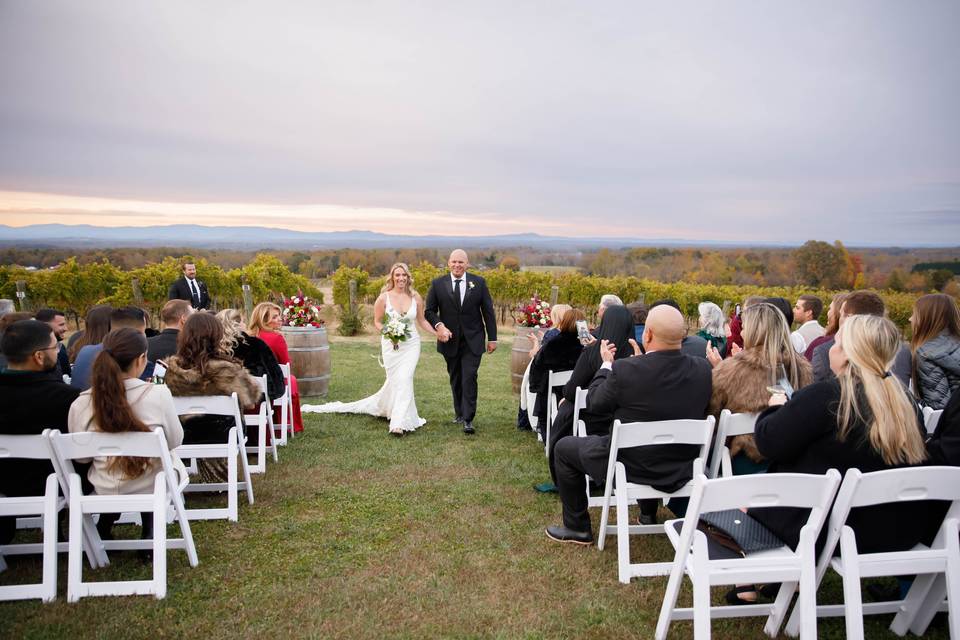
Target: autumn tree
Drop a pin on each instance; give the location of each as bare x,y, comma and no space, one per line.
820,264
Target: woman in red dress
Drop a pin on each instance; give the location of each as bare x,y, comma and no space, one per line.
265,324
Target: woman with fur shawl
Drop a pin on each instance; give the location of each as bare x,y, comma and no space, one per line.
200,368
740,382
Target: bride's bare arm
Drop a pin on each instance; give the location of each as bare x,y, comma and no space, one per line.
421,320
379,308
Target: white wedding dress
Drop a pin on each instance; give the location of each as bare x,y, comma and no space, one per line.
394,400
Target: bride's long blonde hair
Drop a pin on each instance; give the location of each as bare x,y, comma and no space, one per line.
390,284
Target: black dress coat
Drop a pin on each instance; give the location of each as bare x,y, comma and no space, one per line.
801,437
259,360
163,345
559,354
467,320
180,290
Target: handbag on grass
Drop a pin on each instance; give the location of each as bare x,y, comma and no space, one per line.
738,532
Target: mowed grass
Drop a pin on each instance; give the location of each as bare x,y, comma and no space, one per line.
358,534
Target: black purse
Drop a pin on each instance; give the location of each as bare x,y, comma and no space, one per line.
738,531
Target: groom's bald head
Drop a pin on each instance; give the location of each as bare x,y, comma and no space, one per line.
458,262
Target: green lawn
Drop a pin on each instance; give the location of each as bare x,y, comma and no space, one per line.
358,534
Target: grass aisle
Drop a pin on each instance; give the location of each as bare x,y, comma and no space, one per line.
358,534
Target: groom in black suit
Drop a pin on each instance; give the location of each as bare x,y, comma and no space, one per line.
459,307
189,288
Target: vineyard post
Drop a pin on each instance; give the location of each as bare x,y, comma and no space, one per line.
353,296
247,297
554,294
22,295
137,292
726,308
641,297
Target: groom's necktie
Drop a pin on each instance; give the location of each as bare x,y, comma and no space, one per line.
456,291
194,292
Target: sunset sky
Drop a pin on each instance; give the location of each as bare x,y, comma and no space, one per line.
736,120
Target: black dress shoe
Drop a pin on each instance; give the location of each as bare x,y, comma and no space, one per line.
561,534
468,428
646,519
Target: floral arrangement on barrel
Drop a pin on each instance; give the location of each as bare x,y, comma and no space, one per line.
396,329
301,311
535,313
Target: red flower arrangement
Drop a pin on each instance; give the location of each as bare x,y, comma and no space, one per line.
535,313
300,311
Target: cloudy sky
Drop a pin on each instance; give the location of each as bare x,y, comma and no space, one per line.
733,120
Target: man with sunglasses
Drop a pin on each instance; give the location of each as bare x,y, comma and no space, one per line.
31,400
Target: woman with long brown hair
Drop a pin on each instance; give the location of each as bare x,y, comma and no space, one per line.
398,303
936,349
119,402
96,325
265,322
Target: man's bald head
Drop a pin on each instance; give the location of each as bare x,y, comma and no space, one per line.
664,330
458,262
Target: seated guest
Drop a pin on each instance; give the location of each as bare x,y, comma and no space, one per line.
559,354
121,318
855,304
616,328
5,321
691,345
58,322
662,384
639,311
944,445
202,368
118,401
31,400
805,314
536,343
833,324
265,324
164,344
607,300
253,353
711,326
740,382
863,418
736,325
96,325
936,349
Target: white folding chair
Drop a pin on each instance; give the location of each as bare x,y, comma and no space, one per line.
580,431
38,447
554,379
46,507
642,434
231,449
931,418
285,403
528,398
790,568
167,491
729,425
263,420
937,567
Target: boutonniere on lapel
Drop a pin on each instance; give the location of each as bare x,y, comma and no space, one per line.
471,285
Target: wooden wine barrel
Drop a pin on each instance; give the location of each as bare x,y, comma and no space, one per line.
520,356
309,358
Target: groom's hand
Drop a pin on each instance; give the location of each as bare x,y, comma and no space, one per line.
491,346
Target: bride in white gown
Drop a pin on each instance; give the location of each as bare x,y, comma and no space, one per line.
394,400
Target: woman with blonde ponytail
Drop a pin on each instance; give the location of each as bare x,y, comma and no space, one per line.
119,402
863,419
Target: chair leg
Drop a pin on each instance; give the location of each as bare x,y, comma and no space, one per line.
623,526
74,553
160,539
232,482
913,604
780,607
807,600
604,514
701,589
246,477
852,597
50,541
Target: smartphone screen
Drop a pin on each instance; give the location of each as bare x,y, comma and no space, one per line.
583,332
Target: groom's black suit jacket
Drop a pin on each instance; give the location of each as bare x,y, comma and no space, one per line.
466,320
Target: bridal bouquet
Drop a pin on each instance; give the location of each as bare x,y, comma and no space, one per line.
535,313
396,329
300,311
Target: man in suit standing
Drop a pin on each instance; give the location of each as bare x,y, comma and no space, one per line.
460,308
189,288
662,384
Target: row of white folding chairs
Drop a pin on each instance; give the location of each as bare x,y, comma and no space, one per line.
937,567
285,406
555,379
165,502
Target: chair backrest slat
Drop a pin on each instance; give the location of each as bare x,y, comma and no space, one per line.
905,485
768,490
640,434
27,447
558,378
93,444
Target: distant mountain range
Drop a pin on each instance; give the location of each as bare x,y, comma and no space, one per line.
84,236
190,235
